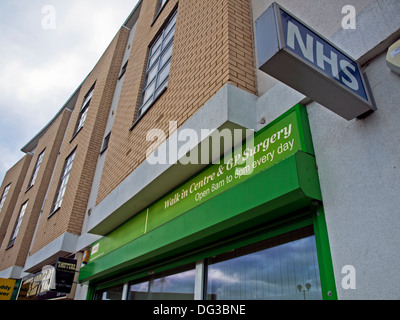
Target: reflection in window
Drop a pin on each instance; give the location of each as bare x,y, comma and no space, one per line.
176,286
113,293
284,267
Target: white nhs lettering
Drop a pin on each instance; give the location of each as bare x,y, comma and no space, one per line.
322,60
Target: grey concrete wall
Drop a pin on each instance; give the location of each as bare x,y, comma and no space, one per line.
358,160
359,170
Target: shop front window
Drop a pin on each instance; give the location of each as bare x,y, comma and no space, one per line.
177,284
113,293
284,267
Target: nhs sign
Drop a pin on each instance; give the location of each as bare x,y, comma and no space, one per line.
293,53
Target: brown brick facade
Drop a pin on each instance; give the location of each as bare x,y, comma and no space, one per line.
87,143
50,143
212,47
14,178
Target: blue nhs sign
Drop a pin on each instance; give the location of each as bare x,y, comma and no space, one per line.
296,55
308,45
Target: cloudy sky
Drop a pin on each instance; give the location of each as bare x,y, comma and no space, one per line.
47,49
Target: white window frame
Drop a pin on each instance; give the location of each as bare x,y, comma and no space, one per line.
84,110
17,225
158,64
36,170
4,196
62,186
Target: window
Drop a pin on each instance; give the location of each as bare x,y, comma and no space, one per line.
17,224
284,267
4,195
84,110
123,70
158,65
63,182
105,143
113,293
36,170
176,284
161,5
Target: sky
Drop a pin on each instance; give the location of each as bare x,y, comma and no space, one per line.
47,49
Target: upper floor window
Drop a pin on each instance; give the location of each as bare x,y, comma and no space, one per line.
4,196
62,186
17,224
158,65
161,4
105,143
84,110
36,170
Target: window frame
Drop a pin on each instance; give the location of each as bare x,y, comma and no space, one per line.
63,183
106,141
17,225
158,50
35,172
4,195
160,6
84,111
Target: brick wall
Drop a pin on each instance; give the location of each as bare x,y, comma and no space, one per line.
87,143
212,47
50,143
14,178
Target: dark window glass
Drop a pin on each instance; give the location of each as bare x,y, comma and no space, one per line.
283,267
177,284
113,293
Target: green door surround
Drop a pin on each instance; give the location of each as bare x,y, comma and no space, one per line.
276,193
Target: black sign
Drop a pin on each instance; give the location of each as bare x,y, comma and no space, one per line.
65,273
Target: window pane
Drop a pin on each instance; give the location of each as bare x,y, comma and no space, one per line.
63,182
144,107
175,286
152,73
36,170
154,57
171,24
114,293
168,38
267,271
88,98
4,196
160,54
164,73
156,46
149,91
166,55
161,87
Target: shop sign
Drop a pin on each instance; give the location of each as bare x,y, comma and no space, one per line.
65,273
276,142
51,282
293,53
6,289
37,284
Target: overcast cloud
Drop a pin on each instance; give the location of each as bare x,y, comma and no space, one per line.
40,67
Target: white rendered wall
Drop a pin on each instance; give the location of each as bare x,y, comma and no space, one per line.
359,160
